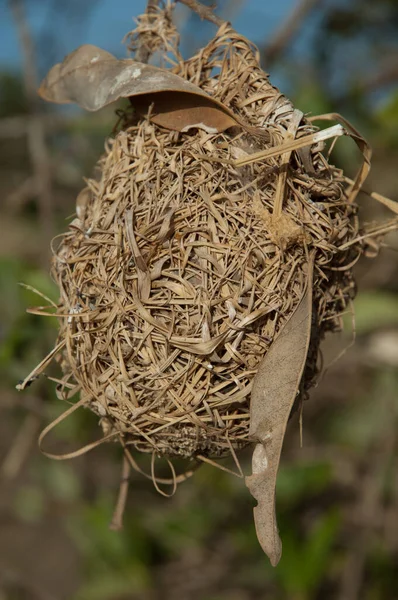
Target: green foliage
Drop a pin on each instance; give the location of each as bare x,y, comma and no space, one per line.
305,561
114,562
13,101
29,503
25,338
309,96
386,120
295,483
374,310
382,568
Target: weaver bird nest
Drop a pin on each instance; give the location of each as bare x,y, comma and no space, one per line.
217,226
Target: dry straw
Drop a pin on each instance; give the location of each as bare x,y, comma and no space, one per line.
191,251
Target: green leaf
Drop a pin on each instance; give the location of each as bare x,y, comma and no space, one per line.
305,561
29,504
373,310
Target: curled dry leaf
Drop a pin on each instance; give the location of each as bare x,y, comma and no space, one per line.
94,78
274,390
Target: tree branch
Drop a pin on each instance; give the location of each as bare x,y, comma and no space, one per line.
117,519
288,30
204,12
144,51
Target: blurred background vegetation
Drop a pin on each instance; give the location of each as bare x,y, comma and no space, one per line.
337,496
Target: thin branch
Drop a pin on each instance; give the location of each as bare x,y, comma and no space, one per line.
204,12
39,154
21,447
144,50
117,520
284,36
152,6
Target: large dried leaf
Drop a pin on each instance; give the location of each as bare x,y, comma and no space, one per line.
94,78
274,390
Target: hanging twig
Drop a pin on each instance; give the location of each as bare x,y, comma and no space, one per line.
39,155
152,6
21,447
204,12
117,519
144,50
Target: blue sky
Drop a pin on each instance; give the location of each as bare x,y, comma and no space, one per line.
109,20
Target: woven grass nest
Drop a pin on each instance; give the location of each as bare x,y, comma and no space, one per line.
189,256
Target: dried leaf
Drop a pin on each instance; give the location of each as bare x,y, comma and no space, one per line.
181,111
82,201
94,78
274,390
